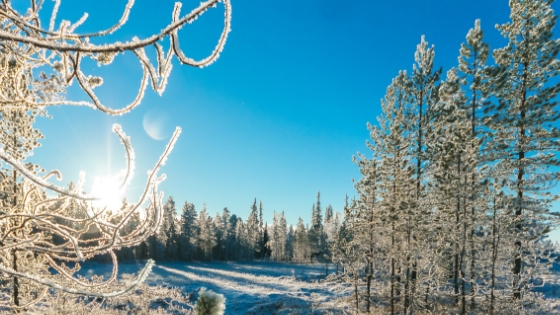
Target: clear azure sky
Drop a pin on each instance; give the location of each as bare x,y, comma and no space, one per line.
277,117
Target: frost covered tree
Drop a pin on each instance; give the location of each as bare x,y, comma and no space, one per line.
525,138
458,191
472,64
189,232
38,62
301,243
228,235
243,243
262,251
206,233
290,243
169,235
424,95
278,237
316,233
253,230
209,303
394,181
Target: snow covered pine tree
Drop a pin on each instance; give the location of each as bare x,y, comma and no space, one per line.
38,231
458,191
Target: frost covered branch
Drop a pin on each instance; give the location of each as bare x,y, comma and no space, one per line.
82,230
64,50
43,226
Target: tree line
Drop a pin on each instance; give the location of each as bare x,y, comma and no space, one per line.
193,235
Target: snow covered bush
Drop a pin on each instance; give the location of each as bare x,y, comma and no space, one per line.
210,303
143,300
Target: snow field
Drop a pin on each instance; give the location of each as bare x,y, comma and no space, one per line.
249,288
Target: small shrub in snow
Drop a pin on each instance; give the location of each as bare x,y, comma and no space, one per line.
210,303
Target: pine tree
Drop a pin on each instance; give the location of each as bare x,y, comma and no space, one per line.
253,229
290,243
274,241
278,237
206,236
168,234
315,233
301,243
390,141
524,136
262,243
266,241
228,235
218,252
472,63
424,95
328,214
454,158
189,232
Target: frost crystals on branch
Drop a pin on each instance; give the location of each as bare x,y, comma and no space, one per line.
64,50
40,233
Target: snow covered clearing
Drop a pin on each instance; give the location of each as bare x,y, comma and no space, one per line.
249,288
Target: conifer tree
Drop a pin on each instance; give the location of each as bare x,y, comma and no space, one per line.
219,233
266,241
253,228
290,243
524,139
206,233
278,237
228,235
472,64
457,193
316,233
189,232
301,242
424,94
168,234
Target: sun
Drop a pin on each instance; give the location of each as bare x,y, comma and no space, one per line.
108,188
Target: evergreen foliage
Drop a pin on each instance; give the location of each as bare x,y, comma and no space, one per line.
209,303
454,206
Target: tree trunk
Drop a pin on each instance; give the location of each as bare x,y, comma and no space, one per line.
16,280
14,256
457,222
494,256
519,208
368,292
356,292
393,269
473,193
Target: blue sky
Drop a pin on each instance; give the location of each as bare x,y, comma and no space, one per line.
278,116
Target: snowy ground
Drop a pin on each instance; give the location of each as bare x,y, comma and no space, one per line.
263,287
249,288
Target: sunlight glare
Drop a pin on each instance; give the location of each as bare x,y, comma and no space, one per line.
108,189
